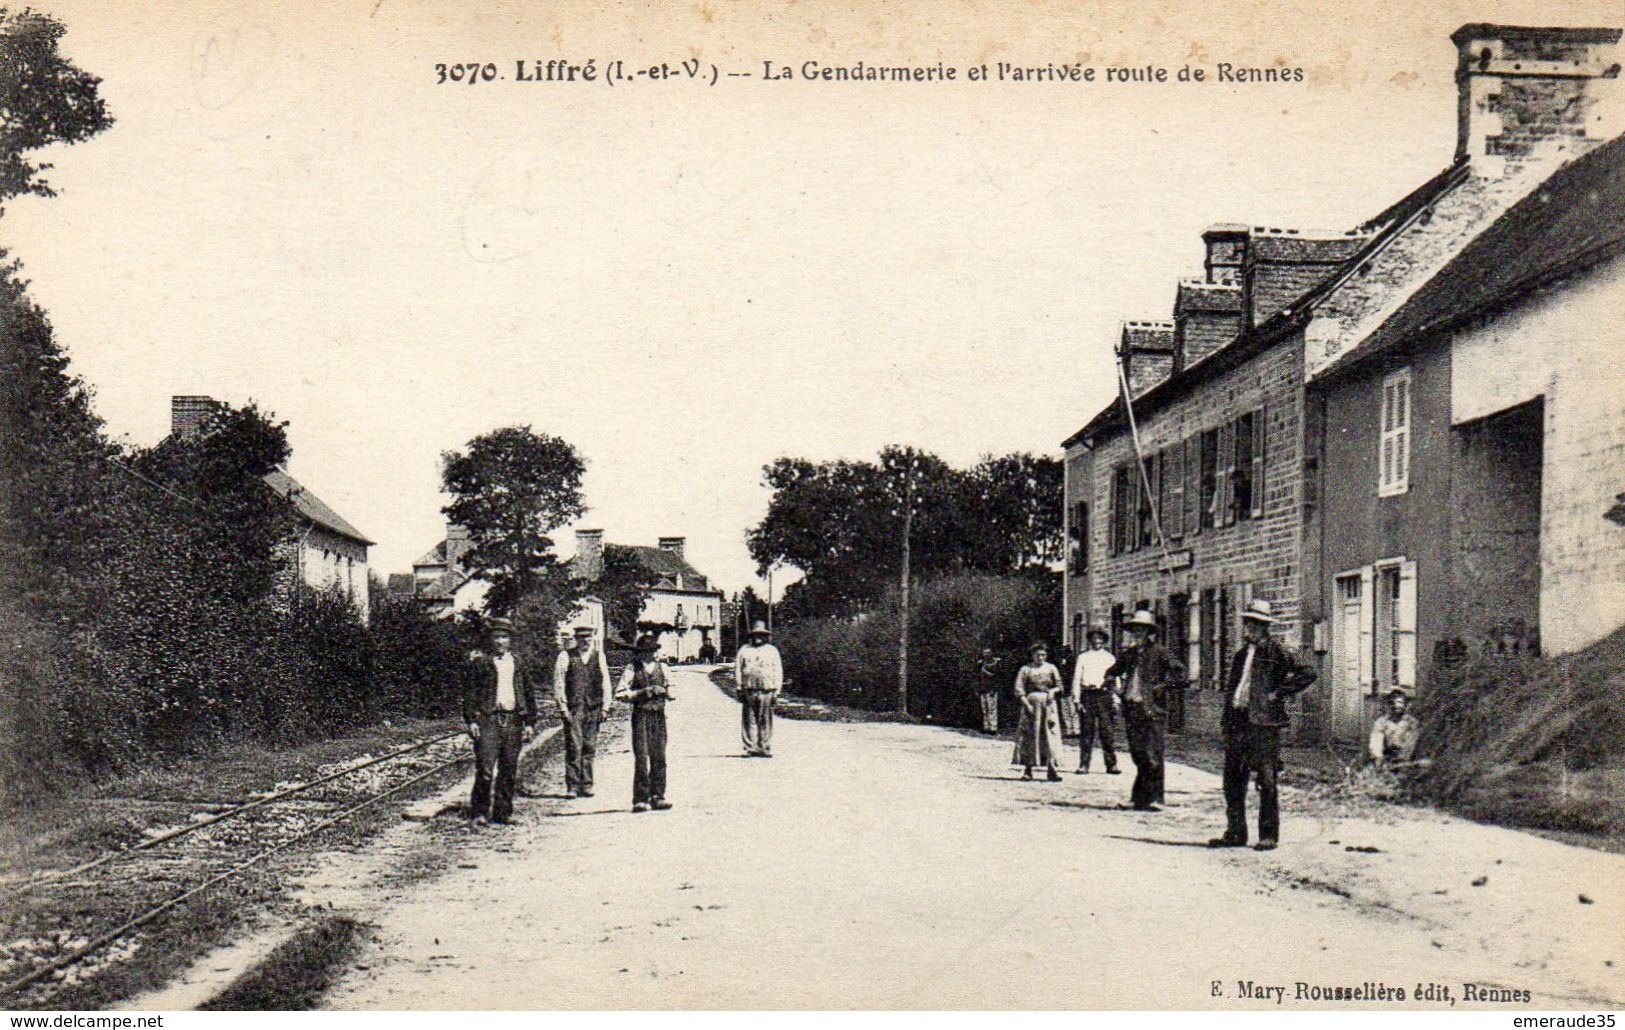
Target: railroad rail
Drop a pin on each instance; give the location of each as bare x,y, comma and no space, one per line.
213,879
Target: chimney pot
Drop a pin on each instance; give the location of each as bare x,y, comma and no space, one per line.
187,413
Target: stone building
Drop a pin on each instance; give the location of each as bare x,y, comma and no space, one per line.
327,550
681,604
1304,441
1466,396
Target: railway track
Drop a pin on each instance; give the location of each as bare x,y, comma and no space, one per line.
179,863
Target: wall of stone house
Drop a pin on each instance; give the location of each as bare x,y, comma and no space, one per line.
326,558
1251,557
1564,344
1352,526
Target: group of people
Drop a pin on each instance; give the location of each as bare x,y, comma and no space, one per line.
1263,675
500,712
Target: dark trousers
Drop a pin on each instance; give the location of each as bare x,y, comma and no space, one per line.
496,763
756,721
648,754
581,744
1145,743
1253,751
1095,718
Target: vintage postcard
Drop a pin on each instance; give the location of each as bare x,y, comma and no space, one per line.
752,506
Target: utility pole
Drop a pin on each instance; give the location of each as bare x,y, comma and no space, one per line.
770,600
902,636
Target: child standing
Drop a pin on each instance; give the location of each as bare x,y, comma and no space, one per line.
644,685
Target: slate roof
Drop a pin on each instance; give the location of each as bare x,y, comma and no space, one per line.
1372,234
668,565
1571,221
311,507
436,556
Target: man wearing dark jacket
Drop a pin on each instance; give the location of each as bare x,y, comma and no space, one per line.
1144,675
1262,676
499,709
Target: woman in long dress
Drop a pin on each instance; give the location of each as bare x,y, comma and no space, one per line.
1038,737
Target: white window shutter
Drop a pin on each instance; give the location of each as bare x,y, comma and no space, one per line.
1193,634
1405,630
1368,621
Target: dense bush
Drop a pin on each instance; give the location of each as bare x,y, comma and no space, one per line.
1531,741
853,661
148,604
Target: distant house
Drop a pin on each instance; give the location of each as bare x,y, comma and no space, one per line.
327,550
681,601
444,586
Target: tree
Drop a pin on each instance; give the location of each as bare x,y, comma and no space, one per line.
842,522
623,586
510,489
44,99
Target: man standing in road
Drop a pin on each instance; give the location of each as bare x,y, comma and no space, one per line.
1094,701
499,709
759,672
645,687
987,689
1145,674
1263,675
581,688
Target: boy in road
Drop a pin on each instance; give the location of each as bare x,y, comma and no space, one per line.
644,685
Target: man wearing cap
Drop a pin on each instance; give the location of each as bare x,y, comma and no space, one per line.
1394,734
1144,674
759,671
1263,675
581,688
499,709
1094,701
644,686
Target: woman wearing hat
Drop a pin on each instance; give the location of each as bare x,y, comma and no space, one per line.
1038,736
1144,675
643,684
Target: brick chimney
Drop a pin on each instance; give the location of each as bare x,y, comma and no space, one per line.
1147,354
674,545
1207,315
457,545
1284,264
187,413
1530,93
588,564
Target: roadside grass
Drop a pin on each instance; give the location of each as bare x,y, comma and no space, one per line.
83,821
298,971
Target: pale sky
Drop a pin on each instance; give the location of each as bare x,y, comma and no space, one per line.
684,281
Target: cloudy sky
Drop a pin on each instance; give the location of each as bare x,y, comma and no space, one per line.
685,281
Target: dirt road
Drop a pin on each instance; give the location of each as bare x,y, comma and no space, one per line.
896,866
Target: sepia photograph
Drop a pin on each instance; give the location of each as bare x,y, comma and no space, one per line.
727,506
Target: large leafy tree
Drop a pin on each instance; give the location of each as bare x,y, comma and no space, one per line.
842,523
511,488
44,99
623,586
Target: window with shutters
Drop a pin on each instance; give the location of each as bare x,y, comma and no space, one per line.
1260,432
1225,501
1241,495
1394,454
1148,515
1193,484
1120,512
1209,479
1079,530
1173,482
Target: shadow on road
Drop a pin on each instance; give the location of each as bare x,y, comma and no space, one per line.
1156,840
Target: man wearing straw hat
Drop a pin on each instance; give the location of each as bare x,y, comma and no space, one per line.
499,709
1144,676
759,671
1262,676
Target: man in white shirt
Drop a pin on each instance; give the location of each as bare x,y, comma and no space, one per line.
499,709
759,671
1094,701
1263,675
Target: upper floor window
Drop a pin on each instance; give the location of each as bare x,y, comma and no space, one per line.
1394,455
